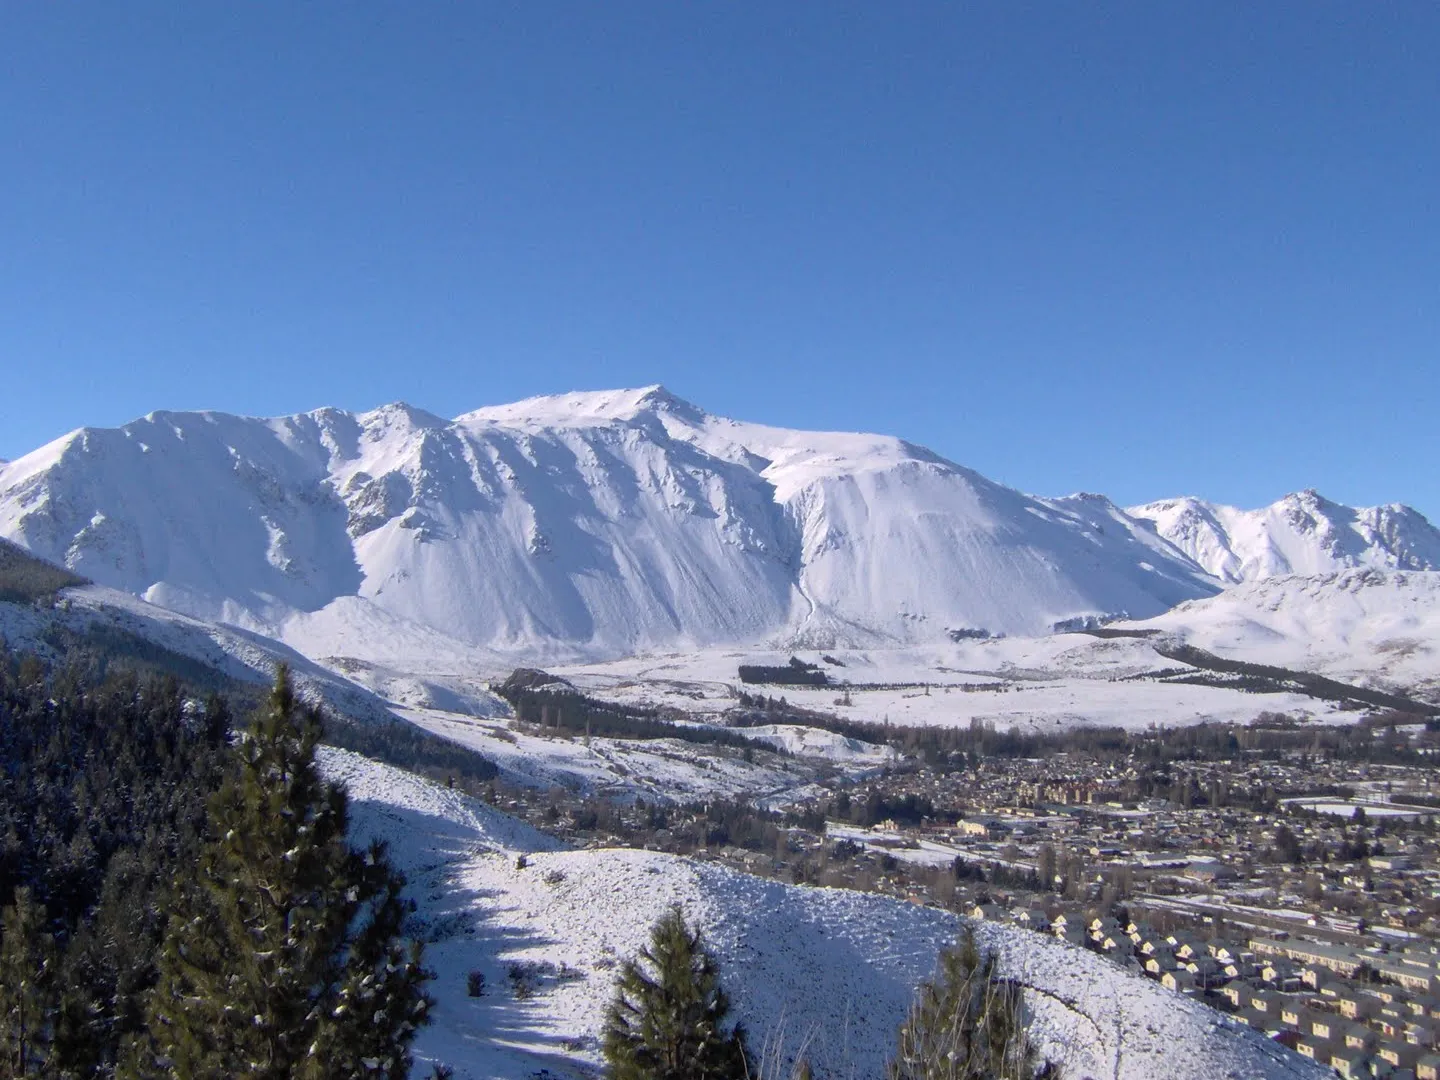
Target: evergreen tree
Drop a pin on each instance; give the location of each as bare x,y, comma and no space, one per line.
967,1023
283,958
28,991
104,780
667,1019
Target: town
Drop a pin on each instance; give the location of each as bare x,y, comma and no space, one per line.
1283,873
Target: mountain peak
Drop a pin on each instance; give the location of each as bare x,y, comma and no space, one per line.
404,412
1308,497
602,522
586,407
1088,497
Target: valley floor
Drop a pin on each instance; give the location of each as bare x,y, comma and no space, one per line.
1036,684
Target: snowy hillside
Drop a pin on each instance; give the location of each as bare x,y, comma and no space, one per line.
1303,533
828,970
1368,626
113,621
585,525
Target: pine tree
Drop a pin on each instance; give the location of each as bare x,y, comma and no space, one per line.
28,991
667,1019
967,1023
283,959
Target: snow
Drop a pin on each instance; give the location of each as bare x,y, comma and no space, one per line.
903,848
815,742
579,526
420,555
657,770
644,549
1368,626
1302,534
828,969
1347,809
1049,683
234,653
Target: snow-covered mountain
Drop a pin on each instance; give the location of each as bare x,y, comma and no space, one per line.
1303,533
590,524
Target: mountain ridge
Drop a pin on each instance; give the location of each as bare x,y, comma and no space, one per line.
591,524
611,521
1302,533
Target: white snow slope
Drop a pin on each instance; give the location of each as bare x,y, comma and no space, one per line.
1365,626
587,525
1303,533
827,969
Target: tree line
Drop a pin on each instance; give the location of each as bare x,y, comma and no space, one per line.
948,749
553,707
25,579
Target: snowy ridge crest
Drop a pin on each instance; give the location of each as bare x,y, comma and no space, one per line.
1303,533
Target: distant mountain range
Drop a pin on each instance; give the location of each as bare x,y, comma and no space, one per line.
1303,533
601,524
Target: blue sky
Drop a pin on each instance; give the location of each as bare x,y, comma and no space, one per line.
1142,248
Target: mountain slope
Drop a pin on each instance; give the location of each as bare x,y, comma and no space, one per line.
593,524
1303,533
1370,626
119,626
828,970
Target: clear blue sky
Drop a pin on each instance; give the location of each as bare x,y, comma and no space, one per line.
1144,248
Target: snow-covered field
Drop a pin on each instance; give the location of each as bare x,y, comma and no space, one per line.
1346,808
824,970
1048,683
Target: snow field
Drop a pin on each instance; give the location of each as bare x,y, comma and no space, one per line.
658,770
1050,683
1368,626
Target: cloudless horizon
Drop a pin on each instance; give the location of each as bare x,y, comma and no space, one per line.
1145,250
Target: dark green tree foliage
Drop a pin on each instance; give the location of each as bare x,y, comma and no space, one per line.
284,958
667,1021
559,709
103,788
28,988
26,579
967,1023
